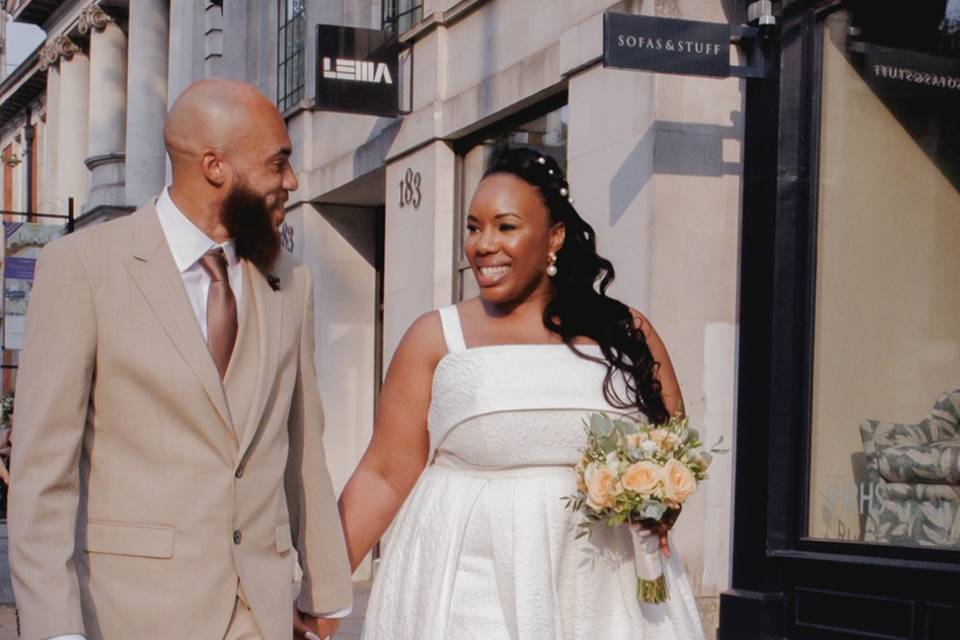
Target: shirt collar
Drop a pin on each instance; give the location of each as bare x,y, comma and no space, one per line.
187,243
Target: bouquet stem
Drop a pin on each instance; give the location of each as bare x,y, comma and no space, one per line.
651,583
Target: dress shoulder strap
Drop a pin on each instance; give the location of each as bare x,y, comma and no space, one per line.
452,332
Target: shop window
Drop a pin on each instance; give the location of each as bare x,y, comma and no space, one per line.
885,414
546,132
399,15
290,53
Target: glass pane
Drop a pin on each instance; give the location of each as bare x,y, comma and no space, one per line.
547,133
468,285
885,455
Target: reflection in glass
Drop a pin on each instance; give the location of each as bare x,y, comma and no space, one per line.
885,450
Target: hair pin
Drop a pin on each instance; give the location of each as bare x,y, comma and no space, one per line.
564,192
541,160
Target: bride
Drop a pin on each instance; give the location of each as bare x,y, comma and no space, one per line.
480,425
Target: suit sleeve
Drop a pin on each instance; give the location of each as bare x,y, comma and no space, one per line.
52,397
314,515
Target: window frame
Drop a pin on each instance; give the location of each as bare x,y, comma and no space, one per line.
392,18
291,58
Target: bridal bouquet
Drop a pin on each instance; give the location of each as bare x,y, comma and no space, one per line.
638,475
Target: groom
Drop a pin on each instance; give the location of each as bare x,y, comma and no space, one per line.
168,465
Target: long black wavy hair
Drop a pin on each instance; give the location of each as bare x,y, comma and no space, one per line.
579,305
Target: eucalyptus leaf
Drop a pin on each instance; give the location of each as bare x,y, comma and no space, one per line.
600,425
653,509
626,426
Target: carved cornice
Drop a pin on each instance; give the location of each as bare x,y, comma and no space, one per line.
54,50
93,17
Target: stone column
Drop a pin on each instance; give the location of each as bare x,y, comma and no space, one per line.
49,194
146,99
108,107
67,112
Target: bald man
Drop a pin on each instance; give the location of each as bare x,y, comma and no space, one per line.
169,479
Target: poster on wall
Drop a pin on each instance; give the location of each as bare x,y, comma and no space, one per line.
22,245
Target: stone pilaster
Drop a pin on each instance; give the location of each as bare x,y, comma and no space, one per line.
107,108
149,28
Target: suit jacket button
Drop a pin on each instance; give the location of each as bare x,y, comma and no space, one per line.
237,537
239,472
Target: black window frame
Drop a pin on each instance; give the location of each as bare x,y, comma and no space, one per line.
291,53
397,18
778,569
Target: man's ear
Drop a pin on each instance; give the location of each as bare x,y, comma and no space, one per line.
211,163
558,234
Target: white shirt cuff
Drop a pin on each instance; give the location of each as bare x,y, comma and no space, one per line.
343,613
72,636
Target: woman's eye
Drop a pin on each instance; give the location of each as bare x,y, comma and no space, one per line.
472,228
507,227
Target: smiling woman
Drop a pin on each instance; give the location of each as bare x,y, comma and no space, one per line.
480,425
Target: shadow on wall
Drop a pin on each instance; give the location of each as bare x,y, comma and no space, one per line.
673,148
372,154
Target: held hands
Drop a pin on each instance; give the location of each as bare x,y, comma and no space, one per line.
306,627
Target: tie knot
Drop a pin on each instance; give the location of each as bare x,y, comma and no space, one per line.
214,262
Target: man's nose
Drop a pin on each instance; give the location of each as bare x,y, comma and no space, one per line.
290,182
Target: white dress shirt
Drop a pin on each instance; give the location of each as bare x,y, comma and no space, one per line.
188,244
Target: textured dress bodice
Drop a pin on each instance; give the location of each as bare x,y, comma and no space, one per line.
484,547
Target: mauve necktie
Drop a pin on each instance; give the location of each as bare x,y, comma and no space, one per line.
221,310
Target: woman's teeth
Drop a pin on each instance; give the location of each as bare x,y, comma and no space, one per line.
494,272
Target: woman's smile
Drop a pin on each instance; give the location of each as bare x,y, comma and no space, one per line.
489,275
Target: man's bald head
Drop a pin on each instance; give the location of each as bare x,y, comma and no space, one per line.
232,176
216,114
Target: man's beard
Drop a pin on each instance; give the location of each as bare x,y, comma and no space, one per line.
250,223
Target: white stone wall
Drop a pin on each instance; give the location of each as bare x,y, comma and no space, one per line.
418,261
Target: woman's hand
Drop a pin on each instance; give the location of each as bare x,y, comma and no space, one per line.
662,527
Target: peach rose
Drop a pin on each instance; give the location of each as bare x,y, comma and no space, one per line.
600,486
641,477
678,483
671,441
659,435
633,440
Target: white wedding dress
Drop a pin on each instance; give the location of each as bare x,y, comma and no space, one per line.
484,548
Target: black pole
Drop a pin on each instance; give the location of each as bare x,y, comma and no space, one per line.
29,135
70,215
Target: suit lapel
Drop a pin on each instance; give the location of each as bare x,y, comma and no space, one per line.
152,268
269,306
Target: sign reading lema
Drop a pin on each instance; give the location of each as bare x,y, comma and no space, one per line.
357,71
666,45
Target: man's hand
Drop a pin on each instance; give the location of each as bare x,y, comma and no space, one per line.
306,627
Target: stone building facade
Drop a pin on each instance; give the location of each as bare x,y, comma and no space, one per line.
654,163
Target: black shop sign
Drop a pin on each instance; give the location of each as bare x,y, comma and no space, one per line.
357,71
666,45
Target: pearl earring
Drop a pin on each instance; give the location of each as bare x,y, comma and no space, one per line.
551,264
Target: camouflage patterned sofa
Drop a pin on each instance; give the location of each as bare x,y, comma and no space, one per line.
914,473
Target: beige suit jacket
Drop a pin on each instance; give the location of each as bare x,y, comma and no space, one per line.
136,508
